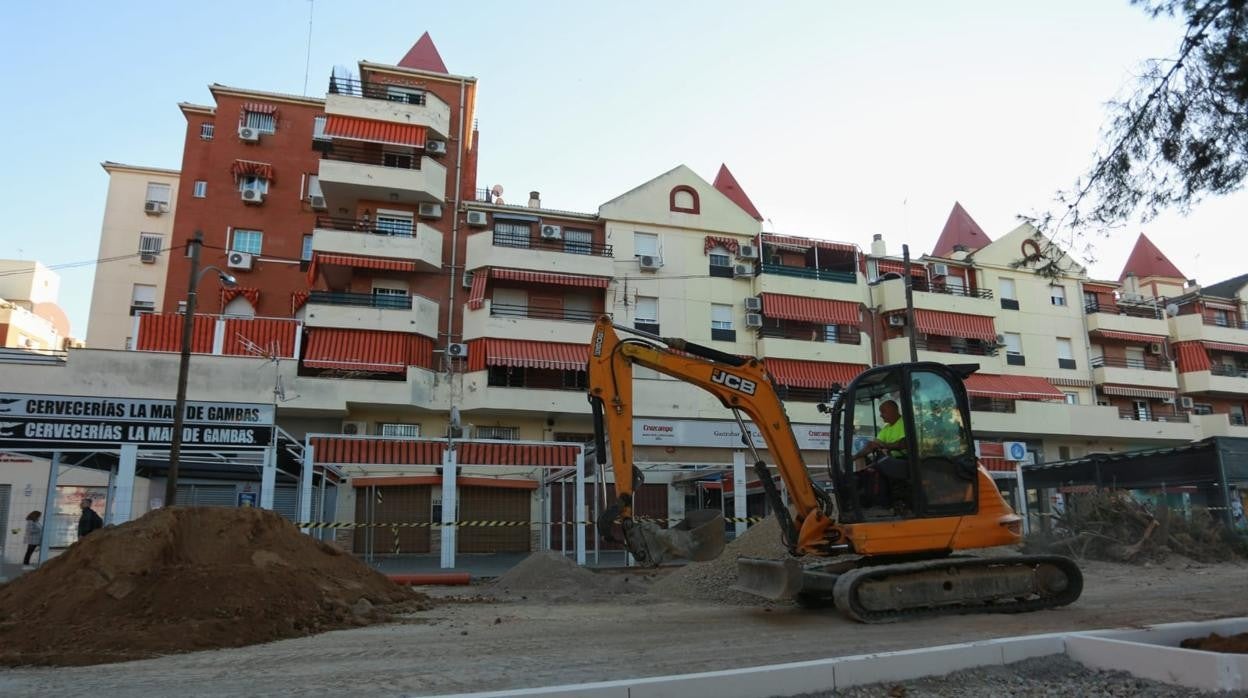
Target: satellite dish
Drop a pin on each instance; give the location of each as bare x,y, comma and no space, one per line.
497,190
1172,310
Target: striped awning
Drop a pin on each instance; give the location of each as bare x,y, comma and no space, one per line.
1137,337
251,294
893,266
366,350
519,353
1191,357
259,108
476,296
1012,387
297,300
548,279
1131,391
811,374
1072,382
357,261
267,337
806,309
807,243
163,332
348,450
1227,346
251,168
945,324
997,465
372,131
477,453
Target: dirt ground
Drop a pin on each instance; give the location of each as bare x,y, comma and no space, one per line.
463,646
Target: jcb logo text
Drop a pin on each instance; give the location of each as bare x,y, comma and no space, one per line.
734,382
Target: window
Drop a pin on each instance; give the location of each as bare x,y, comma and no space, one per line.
150,244
305,254
504,377
249,241
721,262
1237,415
264,123
1065,353
1221,318
404,94
1009,294
396,158
1140,410
504,433
200,190
239,307
1071,398
318,128
645,244
1057,295
1135,357
384,297
683,199
394,223
158,193
511,234
831,334
205,130
142,299
721,323
253,183
579,308
1014,349
1202,408
578,241
1063,452
646,315
397,429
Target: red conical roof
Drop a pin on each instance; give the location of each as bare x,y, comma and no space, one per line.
960,229
1146,260
727,185
424,56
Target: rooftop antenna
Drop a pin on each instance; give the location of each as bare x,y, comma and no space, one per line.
273,355
307,61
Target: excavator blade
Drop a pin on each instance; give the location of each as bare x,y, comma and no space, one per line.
777,580
699,537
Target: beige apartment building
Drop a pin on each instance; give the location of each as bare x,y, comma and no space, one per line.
135,238
30,317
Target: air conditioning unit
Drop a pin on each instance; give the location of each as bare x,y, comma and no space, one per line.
239,260
1186,402
318,203
896,320
552,232
457,351
650,262
430,210
1000,340
467,279
1169,399
1154,348
435,147
753,320
253,196
147,257
355,428
1014,450
246,133
478,219
754,304
747,252
155,207
939,269
740,270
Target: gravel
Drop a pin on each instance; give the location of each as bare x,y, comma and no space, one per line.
712,580
548,576
1053,676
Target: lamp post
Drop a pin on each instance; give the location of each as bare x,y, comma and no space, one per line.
188,326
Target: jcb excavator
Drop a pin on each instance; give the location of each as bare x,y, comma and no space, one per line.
903,500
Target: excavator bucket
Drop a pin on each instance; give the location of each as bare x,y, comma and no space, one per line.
699,537
777,580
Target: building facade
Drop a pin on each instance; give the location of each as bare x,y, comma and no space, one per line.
30,317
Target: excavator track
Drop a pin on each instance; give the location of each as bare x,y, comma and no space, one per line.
955,586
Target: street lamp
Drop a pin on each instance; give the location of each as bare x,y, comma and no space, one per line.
188,326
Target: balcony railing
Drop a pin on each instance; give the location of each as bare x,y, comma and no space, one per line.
992,404
814,334
362,300
371,156
1227,370
1153,415
540,313
365,225
1128,309
1145,364
925,286
947,348
1231,323
845,277
353,87
569,246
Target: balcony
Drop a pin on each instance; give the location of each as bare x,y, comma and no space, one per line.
897,350
1152,415
366,311
527,311
528,323
1120,317
1195,327
491,249
423,245
1220,425
1149,371
891,294
349,173
366,99
847,347
1092,421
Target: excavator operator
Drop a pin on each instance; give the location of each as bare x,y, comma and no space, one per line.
890,441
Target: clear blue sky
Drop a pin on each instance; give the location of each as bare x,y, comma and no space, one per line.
831,114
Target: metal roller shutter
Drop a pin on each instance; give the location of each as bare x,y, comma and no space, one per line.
286,501
208,495
398,504
6,493
493,504
651,501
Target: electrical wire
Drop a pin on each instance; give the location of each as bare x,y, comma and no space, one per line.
90,262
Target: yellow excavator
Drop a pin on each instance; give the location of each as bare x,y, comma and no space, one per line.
907,495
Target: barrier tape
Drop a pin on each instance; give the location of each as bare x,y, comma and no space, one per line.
484,524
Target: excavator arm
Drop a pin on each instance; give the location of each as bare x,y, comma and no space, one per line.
741,385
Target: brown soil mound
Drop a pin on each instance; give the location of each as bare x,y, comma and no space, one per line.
181,579
550,576
712,580
1231,644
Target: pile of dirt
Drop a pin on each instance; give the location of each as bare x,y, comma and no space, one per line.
713,580
182,579
1231,644
1112,526
549,576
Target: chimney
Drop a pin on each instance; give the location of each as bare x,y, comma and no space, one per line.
878,248
1131,285
535,199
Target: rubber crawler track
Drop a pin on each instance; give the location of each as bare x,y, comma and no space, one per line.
847,585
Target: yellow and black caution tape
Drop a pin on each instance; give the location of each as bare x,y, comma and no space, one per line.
480,524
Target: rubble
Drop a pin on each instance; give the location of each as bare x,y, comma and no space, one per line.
550,576
713,580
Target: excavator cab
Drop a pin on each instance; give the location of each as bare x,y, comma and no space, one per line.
902,444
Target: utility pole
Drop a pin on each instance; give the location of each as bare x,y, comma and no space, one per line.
909,282
179,409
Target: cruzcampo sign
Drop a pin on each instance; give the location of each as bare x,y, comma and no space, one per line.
100,420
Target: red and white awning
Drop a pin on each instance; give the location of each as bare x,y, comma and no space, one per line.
477,453
347,450
1012,387
811,374
797,243
476,296
370,131
892,266
945,324
366,350
1227,346
1135,337
814,310
251,168
357,261
1132,391
549,279
1191,357
519,353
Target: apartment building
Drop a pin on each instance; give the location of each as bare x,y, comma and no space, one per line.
30,317
135,238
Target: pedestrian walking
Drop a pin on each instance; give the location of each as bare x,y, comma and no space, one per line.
89,521
34,535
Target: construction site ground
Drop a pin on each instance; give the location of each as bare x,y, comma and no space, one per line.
467,643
